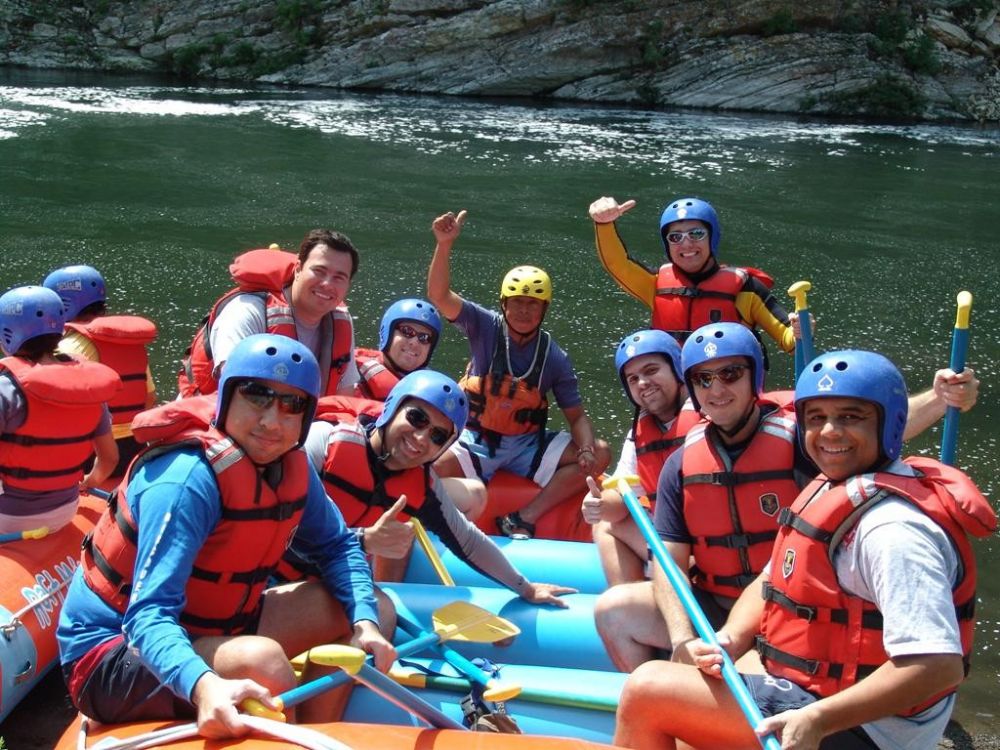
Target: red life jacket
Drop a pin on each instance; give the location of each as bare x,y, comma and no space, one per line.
121,342
681,306
350,483
266,274
232,568
818,635
654,444
376,378
731,510
499,403
64,405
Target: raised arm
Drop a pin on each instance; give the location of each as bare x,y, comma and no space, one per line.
949,389
631,275
446,229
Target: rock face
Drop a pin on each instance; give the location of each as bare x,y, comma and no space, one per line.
880,58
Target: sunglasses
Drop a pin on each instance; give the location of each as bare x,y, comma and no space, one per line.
727,375
261,397
418,419
695,235
408,332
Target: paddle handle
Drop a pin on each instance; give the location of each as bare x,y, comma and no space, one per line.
959,347
804,351
431,551
16,536
704,629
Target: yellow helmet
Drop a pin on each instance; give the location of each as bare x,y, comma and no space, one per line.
526,281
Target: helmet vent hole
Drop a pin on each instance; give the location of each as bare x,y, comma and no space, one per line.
296,358
817,367
447,389
718,334
270,351
841,366
39,314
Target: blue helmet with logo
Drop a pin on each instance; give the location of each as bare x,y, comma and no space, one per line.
684,209
867,376
413,310
78,287
268,356
27,312
649,341
437,389
717,340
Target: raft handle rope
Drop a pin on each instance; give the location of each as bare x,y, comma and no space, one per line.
300,736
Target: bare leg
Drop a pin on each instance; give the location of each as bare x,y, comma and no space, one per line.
468,495
567,482
664,704
622,551
630,624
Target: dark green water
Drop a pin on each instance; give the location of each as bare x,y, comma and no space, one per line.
160,187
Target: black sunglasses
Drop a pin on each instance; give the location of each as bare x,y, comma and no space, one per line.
727,375
418,419
262,396
408,332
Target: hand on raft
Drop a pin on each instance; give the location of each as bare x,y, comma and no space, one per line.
546,593
606,210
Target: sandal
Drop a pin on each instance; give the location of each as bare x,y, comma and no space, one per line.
515,527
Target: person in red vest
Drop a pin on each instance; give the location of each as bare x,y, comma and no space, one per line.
719,496
53,415
119,341
649,366
407,336
301,296
170,613
692,288
864,614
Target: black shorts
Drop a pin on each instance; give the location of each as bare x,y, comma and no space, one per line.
774,695
120,688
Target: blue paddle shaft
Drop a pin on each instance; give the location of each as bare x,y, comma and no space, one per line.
450,655
400,696
705,631
808,353
949,435
12,536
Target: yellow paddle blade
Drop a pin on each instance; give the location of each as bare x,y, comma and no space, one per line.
611,483
432,554
254,707
494,691
340,655
498,691
462,621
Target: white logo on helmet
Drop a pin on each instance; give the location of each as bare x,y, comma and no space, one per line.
630,351
449,404
825,384
280,371
711,349
681,213
13,308
74,285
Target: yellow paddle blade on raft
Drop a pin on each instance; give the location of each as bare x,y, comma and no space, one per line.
462,621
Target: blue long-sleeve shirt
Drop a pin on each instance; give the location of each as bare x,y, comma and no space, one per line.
174,500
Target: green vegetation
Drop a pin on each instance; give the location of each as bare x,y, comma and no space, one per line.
653,51
920,55
780,23
186,61
294,15
648,94
889,98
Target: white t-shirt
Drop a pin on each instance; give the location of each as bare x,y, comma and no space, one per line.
245,315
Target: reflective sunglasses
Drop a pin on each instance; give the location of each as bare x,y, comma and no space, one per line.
727,375
262,396
418,419
695,235
408,332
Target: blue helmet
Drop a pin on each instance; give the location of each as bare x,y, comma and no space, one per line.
268,356
648,342
696,209
413,310
437,389
27,312
863,375
717,340
78,287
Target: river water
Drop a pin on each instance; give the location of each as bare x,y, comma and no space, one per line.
159,186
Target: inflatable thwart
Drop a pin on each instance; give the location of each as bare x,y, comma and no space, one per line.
34,574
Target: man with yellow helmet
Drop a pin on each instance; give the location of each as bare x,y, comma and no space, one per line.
514,365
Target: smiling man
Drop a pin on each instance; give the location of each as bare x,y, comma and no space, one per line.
407,336
302,297
169,613
514,366
863,616
720,496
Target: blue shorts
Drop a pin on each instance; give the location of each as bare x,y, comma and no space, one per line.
774,695
533,456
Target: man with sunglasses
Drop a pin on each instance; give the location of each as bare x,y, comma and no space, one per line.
692,289
407,337
514,365
301,296
377,469
719,496
169,613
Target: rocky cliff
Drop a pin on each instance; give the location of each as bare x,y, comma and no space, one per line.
930,59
